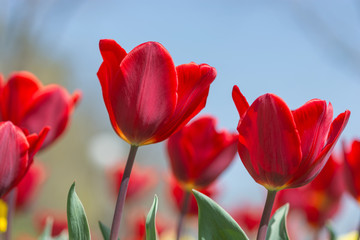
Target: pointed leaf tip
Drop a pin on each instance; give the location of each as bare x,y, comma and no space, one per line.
77,221
277,225
150,221
215,222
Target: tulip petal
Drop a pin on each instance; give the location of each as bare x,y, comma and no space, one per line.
352,168
269,145
313,121
240,102
50,107
194,84
111,51
143,94
307,173
212,170
179,152
17,94
14,158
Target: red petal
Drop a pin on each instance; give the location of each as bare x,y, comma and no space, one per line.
17,94
194,83
50,107
313,121
143,95
240,101
308,172
352,169
13,156
28,187
111,52
269,145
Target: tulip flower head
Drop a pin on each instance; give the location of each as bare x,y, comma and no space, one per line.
352,169
281,148
146,96
198,153
31,106
16,154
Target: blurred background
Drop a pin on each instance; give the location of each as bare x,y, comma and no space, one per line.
298,50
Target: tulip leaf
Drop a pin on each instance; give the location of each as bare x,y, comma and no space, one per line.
77,221
105,231
150,221
331,231
277,224
215,222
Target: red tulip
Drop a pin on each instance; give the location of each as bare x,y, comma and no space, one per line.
199,154
32,106
16,154
142,180
146,96
178,196
320,199
281,148
29,185
352,169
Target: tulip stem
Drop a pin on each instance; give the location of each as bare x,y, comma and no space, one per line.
270,198
11,207
184,210
122,194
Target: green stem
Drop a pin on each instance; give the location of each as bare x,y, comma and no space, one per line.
270,198
122,193
184,210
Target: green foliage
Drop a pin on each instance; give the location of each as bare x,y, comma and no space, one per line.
150,221
214,222
331,231
77,221
277,225
105,231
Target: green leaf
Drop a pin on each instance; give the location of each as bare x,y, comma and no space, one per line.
105,231
214,222
77,221
331,231
277,224
150,221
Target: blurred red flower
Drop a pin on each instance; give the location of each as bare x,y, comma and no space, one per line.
31,106
352,169
59,221
198,153
146,96
29,185
142,180
281,148
248,217
17,152
320,200
178,196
